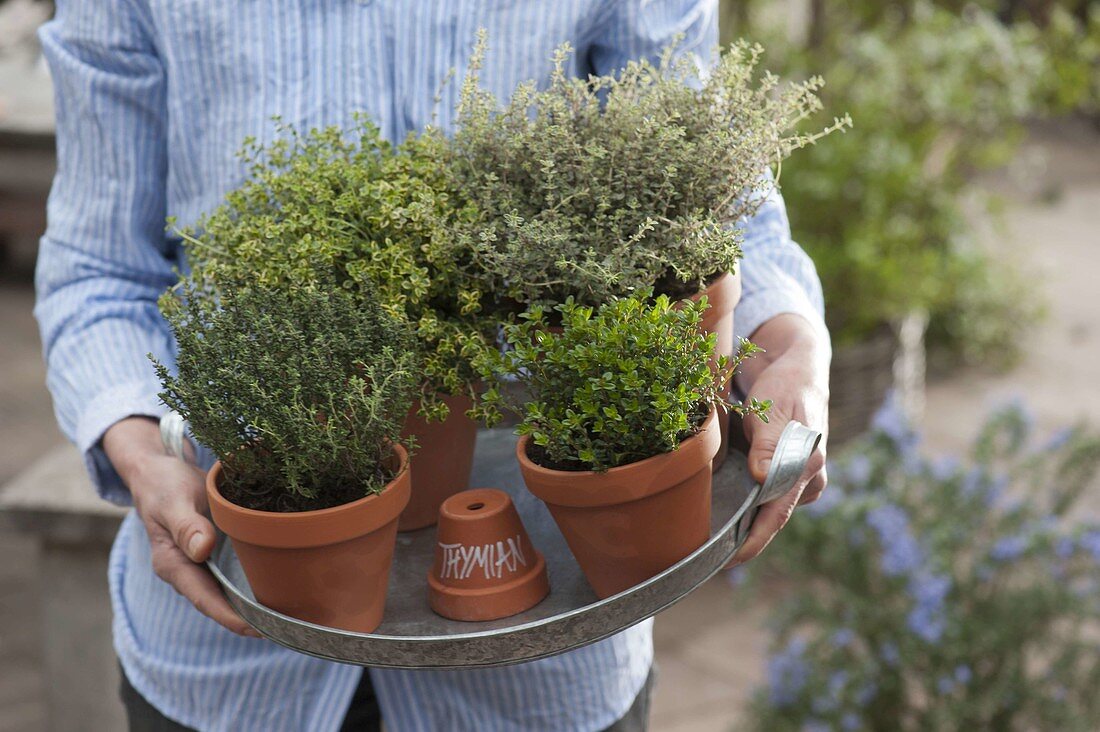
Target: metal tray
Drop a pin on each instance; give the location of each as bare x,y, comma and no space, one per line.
412,636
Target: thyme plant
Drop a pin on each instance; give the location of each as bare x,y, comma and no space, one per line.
376,219
301,395
620,384
594,188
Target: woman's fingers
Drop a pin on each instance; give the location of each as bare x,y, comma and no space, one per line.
773,516
170,497
193,581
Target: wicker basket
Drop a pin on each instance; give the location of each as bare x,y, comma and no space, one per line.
862,375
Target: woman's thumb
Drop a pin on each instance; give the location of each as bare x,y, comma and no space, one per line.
762,444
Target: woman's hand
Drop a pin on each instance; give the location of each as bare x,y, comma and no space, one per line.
170,497
794,374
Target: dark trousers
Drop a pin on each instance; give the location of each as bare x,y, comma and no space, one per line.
363,714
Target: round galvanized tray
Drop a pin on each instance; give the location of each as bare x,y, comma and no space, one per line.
412,636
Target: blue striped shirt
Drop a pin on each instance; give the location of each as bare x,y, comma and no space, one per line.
154,98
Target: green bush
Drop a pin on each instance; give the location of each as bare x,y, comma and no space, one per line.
628,381
988,306
939,92
1071,45
935,98
927,595
595,188
379,220
300,395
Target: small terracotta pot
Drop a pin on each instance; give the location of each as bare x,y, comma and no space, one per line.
329,567
723,294
441,465
485,565
634,521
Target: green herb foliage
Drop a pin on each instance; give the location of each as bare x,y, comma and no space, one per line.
301,395
377,219
629,381
594,188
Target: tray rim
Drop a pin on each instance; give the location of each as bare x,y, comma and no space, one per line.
732,525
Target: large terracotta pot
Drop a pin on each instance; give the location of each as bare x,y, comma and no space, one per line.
329,567
441,466
634,521
722,297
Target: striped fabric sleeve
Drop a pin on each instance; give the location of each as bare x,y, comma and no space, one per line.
777,275
105,258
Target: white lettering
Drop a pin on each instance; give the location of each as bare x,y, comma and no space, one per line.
461,561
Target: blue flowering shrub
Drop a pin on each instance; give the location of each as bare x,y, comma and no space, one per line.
940,595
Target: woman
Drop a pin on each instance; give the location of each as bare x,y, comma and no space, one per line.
154,98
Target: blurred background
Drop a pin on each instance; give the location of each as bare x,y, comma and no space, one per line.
949,578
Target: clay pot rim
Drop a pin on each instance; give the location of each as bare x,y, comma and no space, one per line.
215,473
625,483
310,528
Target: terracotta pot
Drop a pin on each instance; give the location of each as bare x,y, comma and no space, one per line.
329,567
485,565
441,466
631,522
722,297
